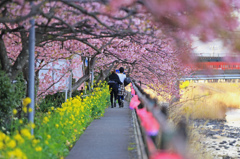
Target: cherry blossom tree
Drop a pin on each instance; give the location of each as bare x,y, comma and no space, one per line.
60,33
149,59
207,19
149,37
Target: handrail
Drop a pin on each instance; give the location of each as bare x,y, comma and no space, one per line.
168,131
139,136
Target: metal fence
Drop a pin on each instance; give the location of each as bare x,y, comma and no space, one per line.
154,145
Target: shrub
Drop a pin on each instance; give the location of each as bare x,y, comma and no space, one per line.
11,96
54,100
57,130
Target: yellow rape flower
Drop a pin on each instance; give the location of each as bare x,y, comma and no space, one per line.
26,101
19,138
52,108
20,121
49,136
32,125
11,154
26,133
56,125
35,141
11,144
7,138
14,111
38,148
18,153
29,110
1,145
2,136
25,109
46,142
45,120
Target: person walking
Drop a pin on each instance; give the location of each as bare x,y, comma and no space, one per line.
121,89
114,83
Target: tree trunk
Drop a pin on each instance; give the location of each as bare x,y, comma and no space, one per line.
86,75
105,73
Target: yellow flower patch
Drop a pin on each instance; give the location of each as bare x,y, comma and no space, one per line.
26,101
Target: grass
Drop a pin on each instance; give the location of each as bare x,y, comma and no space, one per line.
131,148
203,100
208,100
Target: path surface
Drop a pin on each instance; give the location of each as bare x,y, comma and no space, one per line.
111,136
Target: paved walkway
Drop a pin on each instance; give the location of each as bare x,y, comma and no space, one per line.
110,137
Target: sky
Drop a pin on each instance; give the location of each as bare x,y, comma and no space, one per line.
214,48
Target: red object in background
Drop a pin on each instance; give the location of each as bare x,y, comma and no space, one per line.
216,63
217,66
165,155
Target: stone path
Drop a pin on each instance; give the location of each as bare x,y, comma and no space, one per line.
111,136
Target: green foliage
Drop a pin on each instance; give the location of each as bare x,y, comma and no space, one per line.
57,130
55,100
11,96
19,89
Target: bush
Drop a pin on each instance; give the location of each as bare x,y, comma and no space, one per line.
55,131
11,96
55,100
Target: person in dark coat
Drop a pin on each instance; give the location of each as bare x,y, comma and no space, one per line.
114,82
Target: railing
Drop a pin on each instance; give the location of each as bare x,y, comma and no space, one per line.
140,138
208,77
154,145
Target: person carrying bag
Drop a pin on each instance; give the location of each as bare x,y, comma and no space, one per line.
113,83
